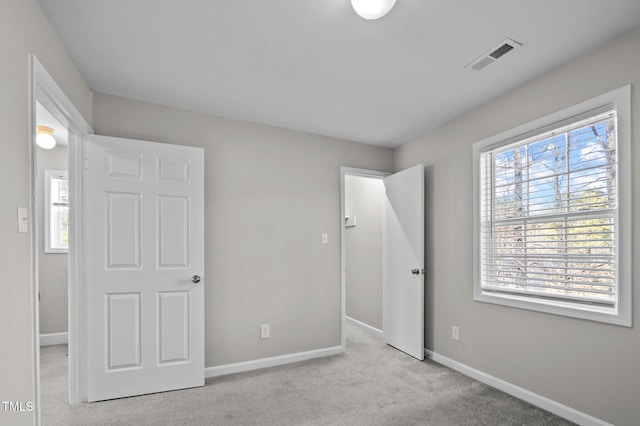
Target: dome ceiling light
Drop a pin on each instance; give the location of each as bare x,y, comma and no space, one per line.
372,9
44,137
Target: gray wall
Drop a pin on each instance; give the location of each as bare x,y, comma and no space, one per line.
263,260
364,198
590,366
53,267
25,30
270,194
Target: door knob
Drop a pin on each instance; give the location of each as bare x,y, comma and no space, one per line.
415,271
195,279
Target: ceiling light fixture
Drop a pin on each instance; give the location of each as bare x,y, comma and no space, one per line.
44,137
372,9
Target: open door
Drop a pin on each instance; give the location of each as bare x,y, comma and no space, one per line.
403,262
144,251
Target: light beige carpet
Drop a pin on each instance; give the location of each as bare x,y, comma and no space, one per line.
371,384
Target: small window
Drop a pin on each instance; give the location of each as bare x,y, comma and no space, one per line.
551,220
56,220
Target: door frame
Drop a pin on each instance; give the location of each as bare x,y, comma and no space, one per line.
44,89
348,171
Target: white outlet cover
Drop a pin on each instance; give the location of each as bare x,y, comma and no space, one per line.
265,331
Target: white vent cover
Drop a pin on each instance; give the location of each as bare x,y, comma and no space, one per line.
492,55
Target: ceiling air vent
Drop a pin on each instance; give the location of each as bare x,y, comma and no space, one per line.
492,55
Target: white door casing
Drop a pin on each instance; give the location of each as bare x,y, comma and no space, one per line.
403,262
144,241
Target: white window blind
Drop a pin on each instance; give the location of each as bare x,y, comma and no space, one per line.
548,214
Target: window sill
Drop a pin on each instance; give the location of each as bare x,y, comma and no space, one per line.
568,309
56,251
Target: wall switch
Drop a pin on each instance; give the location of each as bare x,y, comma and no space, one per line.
349,221
23,219
265,331
455,333
325,239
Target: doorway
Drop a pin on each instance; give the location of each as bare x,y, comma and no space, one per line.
180,307
390,252
52,235
361,196
48,99
52,217
364,209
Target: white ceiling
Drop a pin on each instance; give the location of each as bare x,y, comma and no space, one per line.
316,66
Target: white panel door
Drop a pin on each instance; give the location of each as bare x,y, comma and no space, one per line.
144,229
403,262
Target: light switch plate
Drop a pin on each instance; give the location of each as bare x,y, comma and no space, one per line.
23,219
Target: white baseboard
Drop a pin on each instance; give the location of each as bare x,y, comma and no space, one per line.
545,403
361,324
54,339
257,364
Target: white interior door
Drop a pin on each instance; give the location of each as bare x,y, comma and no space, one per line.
403,262
144,242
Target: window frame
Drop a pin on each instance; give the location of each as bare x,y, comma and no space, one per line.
621,313
49,175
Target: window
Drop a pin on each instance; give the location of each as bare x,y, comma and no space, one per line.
56,220
552,207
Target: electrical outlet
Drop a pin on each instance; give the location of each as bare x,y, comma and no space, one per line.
265,331
325,239
455,332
